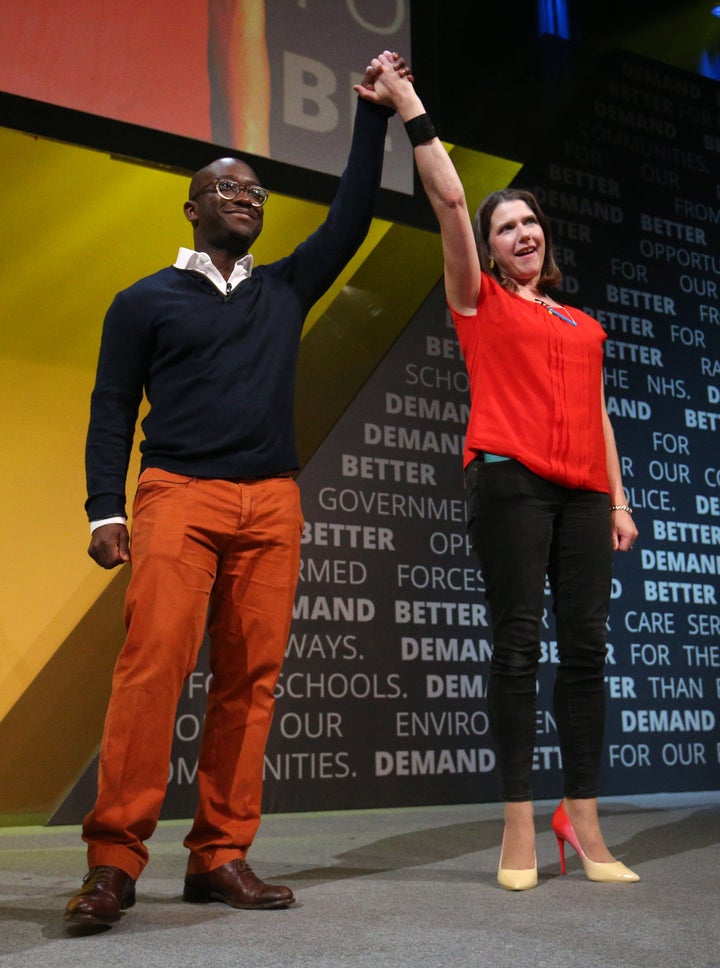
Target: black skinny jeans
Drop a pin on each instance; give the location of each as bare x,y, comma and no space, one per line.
523,527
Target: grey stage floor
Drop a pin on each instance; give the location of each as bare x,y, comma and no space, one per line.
409,887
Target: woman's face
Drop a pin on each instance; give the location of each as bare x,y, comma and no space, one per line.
517,242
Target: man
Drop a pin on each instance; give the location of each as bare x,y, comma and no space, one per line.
213,342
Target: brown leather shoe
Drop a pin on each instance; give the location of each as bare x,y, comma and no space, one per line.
103,898
235,884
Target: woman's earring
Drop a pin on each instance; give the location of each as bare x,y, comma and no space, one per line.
492,262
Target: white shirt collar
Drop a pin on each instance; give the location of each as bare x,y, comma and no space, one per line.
201,262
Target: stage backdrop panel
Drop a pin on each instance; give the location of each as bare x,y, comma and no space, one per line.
630,180
382,700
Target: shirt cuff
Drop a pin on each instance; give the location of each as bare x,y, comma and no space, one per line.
118,519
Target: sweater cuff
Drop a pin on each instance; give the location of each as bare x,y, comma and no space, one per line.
380,109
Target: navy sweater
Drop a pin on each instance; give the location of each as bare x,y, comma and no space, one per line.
219,371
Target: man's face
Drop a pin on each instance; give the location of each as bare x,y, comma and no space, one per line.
222,223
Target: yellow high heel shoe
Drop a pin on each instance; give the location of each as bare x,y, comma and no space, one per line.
516,880
607,873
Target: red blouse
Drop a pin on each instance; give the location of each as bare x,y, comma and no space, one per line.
535,387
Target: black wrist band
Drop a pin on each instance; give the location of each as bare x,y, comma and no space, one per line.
420,130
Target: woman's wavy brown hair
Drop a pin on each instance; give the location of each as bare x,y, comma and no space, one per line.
550,275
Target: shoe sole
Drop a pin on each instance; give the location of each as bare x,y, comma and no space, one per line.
90,920
203,897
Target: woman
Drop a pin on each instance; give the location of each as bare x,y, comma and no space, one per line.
544,489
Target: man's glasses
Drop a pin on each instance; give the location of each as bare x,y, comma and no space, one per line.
229,188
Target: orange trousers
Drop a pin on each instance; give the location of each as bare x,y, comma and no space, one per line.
213,553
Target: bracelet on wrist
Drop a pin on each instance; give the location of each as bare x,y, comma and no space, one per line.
621,507
420,130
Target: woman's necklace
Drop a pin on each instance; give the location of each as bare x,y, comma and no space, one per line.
554,312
